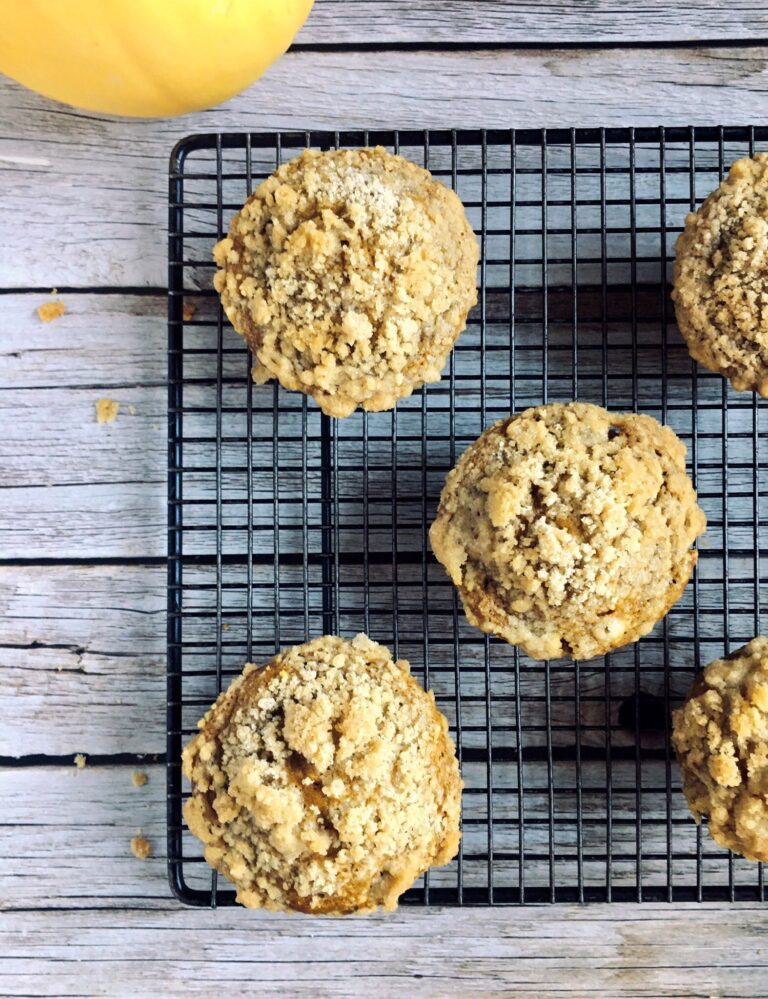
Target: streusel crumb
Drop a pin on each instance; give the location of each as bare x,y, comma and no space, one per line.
49,311
141,848
721,739
107,410
568,529
325,781
350,274
721,277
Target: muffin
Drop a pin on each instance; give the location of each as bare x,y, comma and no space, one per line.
721,739
350,274
324,781
568,529
721,278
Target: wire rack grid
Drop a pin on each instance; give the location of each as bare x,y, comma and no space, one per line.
285,524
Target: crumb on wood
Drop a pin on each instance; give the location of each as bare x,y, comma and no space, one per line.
139,778
188,311
225,626
132,409
106,410
80,760
141,848
49,311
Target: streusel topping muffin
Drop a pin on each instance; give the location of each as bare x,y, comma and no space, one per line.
568,529
721,278
350,274
721,739
324,781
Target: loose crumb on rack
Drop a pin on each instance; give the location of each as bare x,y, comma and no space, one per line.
49,311
132,409
188,311
139,778
80,760
106,410
141,848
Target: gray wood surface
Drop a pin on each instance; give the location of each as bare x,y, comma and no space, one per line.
495,22
103,182
82,526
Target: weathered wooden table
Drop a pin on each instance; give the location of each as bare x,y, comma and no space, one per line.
82,531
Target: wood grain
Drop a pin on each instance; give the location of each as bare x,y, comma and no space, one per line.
496,22
111,921
73,173
82,646
82,653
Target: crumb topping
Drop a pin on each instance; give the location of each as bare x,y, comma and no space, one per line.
721,277
49,311
106,410
568,529
141,848
350,274
325,781
721,739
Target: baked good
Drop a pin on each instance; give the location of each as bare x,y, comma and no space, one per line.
721,739
568,529
721,278
350,274
325,781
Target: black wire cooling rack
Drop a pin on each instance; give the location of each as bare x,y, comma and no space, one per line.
285,524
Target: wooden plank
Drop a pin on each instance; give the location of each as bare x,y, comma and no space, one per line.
75,827
72,173
494,22
90,490
105,343
82,652
546,955
64,848
85,489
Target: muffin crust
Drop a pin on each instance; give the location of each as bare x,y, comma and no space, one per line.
568,529
721,278
325,781
721,739
350,274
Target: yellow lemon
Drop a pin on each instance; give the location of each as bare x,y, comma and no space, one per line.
145,58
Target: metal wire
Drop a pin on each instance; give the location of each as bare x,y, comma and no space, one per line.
284,524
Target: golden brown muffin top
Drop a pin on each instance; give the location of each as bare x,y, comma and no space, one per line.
350,274
568,529
721,277
325,781
721,739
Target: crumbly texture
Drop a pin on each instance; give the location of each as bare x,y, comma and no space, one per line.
141,848
325,781
568,529
721,739
721,278
107,410
139,778
80,761
350,274
49,311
